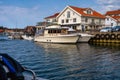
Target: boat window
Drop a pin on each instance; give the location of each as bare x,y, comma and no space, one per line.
59,31
54,31
63,31
49,31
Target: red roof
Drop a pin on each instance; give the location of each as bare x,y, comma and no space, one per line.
53,16
117,18
81,11
113,12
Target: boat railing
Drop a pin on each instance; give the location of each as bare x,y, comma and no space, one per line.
30,71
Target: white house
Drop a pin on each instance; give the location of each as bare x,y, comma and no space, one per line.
110,21
112,18
81,18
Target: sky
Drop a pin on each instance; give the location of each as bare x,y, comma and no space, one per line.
22,13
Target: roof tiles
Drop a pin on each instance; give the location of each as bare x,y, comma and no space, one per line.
53,16
81,11
113,12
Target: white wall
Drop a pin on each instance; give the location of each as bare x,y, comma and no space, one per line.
109,21
97,21
72,16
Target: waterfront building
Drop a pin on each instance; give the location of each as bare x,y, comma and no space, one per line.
81,19
112,18
112,21
52,19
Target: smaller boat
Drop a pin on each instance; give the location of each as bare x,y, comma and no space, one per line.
10,37
85,37
10,69
14,35
26,37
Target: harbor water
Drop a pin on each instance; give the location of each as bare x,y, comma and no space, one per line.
80,61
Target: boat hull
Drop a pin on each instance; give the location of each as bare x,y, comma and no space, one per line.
27,37
57,39
84,39
10,37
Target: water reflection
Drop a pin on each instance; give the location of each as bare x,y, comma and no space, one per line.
107,44
80,62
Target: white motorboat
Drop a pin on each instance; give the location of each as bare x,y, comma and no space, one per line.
27,37
56,34
10,36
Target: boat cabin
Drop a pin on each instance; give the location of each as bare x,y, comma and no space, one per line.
58,30
55,31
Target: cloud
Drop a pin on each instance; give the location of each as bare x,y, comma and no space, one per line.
10,15
108,5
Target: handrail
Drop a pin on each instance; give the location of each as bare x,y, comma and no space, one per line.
34,75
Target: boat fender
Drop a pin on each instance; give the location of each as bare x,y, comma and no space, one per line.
113,36
107,36
102,36
118,36
97,36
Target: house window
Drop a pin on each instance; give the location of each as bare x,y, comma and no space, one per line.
68,14
100,21
111,24
62,21
88,11
86,28
67,20
86,19
93,20
74,27
74,19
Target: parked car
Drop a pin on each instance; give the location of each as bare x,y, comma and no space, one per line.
116,28
106,29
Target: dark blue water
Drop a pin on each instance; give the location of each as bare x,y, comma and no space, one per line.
66,61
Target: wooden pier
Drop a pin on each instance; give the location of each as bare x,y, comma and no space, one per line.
107,38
